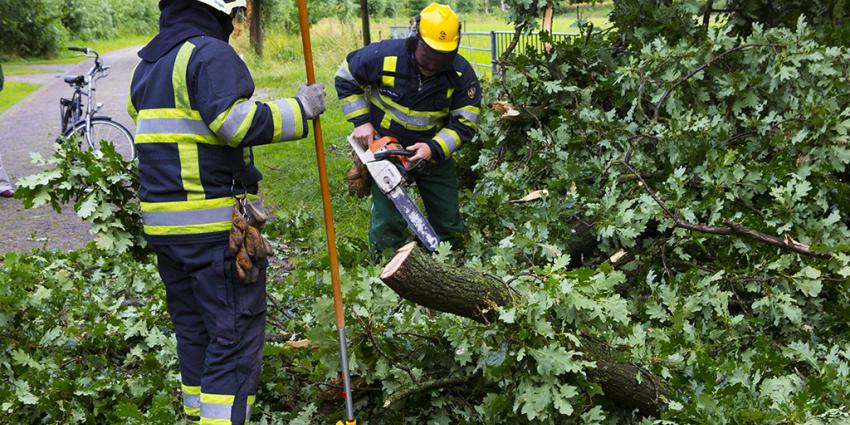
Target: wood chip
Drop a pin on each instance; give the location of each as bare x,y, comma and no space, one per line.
504,108
532,196
617,256
301,343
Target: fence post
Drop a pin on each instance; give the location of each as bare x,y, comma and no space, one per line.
493,52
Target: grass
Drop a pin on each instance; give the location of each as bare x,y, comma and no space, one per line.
13,92
291,185
102,46
23,70
291,182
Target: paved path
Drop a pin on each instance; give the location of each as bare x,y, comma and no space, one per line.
31,126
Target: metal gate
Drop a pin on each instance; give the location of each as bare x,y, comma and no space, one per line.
480,47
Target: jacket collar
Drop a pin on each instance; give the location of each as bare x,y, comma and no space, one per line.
180,20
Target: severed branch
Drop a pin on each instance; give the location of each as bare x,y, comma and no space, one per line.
417,277
702,67
424,386
731,229
511,46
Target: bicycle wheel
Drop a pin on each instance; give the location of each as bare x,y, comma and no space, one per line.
103,128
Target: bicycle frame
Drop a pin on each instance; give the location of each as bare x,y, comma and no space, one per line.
88,89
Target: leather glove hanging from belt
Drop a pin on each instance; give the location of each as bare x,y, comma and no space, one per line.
247,244
359,180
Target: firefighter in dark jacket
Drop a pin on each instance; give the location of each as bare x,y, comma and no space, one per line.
190,97
423,93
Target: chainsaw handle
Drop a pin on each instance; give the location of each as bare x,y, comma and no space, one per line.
394,152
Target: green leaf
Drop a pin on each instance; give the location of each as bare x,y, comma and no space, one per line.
535,399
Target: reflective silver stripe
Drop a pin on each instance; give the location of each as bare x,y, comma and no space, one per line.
216,411
354,105
192,400
248,409
417,121
287,120
172,126
190,217
344,73
234,119
463,113
449,138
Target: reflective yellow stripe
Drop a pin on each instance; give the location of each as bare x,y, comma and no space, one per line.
389,113
390,63
177,138
470,108
219,120
355,106
170,113
252,399
299,118
429,114
357,113
443,145
352,98
387,121
217,398
211,421
131,109
447,146
450,92
194,390
244,127
190,171
188,230
201,204
192,411
278,125
179,78
468,123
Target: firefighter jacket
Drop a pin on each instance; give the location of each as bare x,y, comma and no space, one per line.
195,127
381,84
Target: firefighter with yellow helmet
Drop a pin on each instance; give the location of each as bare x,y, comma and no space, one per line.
420,91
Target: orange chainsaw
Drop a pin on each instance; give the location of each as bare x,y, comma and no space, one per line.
389,165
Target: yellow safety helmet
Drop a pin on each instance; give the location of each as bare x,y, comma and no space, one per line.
439,27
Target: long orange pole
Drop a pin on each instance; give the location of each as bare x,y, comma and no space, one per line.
328,213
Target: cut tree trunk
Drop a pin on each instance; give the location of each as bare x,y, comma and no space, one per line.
417,277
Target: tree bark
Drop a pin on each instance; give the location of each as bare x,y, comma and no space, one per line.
416,277
256,27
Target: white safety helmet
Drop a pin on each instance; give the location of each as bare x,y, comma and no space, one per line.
224,6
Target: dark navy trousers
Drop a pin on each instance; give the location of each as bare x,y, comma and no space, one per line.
220,328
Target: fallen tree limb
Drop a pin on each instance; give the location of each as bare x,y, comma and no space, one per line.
424,386
731,228
417,277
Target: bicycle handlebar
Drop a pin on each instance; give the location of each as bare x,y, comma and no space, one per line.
84,50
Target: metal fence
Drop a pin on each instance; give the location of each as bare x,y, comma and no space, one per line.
492,44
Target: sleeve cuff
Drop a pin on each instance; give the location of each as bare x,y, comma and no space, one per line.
359,120
436,150
304,131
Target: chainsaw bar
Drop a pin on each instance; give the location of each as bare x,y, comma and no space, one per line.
414,218
391,182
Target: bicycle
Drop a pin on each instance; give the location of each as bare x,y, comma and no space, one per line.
80,120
